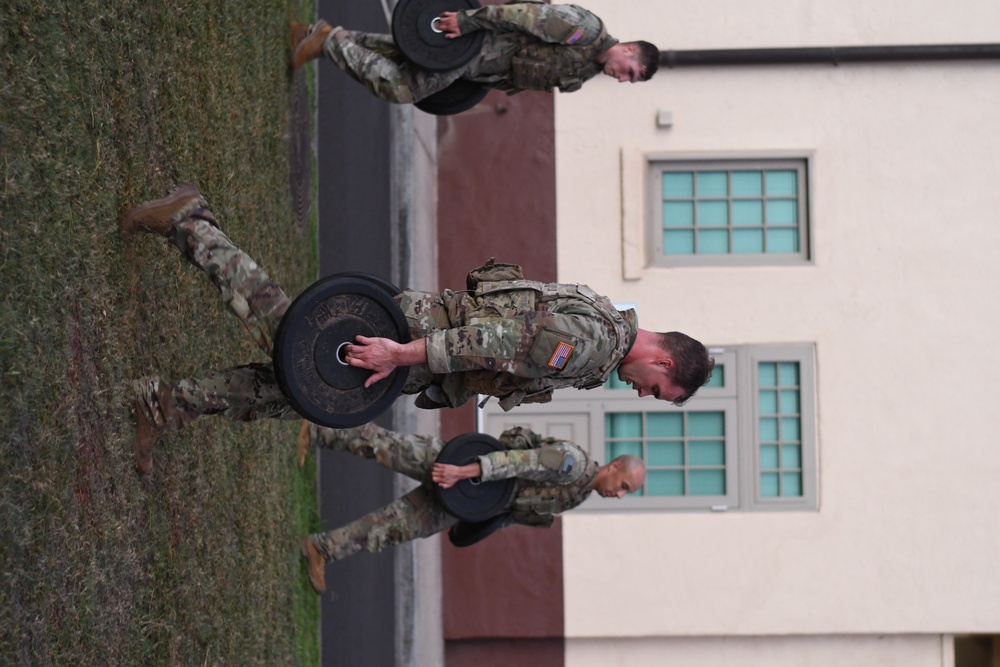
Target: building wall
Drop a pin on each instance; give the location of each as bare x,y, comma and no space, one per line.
804,651
896,299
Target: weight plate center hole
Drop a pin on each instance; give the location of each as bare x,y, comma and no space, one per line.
342,353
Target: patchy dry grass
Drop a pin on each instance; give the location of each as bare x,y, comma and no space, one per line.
103,104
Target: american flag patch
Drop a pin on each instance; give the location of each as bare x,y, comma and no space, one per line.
572,39
561,356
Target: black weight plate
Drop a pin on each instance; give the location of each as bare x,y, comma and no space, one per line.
472,500
307,348
456,98
413,33
465,534
387,286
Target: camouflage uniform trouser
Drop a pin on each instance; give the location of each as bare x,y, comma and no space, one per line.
417,514
243,393
374,61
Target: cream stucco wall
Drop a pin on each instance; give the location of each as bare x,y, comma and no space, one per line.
900,300
806,651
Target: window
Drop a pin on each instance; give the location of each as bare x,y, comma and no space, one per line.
728,212
746,441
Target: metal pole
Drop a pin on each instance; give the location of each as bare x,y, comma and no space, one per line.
833,55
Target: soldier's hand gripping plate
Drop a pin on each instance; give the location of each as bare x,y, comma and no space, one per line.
471,499
309,349
416,33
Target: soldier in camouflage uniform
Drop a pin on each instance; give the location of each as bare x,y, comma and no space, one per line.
552,476
506,337
527,46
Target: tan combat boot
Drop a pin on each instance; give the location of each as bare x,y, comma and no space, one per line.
309,46
304,443
146,435
158,215
316,565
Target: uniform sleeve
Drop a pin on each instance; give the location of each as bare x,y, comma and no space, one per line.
556,24
533,345
560,463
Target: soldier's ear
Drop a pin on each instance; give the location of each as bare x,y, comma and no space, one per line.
666,362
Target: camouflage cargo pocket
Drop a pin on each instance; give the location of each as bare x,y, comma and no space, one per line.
491,272
505,301
531,75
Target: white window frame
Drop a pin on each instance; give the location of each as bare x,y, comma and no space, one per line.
641,193
656,167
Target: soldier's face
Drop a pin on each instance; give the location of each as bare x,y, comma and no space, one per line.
624,66
616,483
649,378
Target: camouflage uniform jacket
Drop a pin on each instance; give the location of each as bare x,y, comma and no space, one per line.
534,46
517,340
552,475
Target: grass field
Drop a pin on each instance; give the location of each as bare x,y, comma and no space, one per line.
104,104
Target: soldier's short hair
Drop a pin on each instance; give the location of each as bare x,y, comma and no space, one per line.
648,57
692,366
634,466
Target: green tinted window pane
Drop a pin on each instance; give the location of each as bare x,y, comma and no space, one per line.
678,184
706,424
790,401
707,482
781,183
768,402
709,453
712,184
665,453
747,184
713,241
616,449
767,374
748,214
718,378
678,214
713,213
769,484
665,425
614,383
768,429
665,483
678,243
791,456
790,429
782,240
769,457
748,241
782,212
789,374
623,425
791,484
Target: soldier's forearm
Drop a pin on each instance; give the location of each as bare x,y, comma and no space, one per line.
499,18
413,353
567,24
